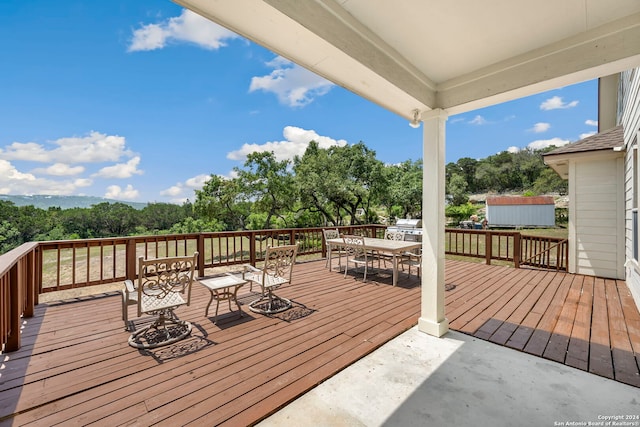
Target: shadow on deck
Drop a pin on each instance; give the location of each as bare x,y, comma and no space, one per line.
75,365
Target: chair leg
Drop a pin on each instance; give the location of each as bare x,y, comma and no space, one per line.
125,312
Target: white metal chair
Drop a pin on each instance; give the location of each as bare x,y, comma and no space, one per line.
277,271
356,254
389,235
163,284
333,234
411,259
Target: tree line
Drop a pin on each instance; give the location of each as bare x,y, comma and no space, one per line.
325,186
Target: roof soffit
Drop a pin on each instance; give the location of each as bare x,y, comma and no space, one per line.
346,42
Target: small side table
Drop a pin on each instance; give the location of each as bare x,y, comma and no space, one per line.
223,288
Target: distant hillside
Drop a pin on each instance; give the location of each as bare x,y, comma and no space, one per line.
64,202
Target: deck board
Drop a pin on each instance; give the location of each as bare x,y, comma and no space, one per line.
75,366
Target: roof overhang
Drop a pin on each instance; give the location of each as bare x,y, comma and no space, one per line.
601,146
428,54
560,162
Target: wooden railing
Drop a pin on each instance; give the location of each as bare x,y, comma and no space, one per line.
39,267
18,271
544,252
510,246
72,264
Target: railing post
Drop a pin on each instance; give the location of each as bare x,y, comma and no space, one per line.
38,275
517,250
29,281
252,248
130,257
200,246
488,247
15,310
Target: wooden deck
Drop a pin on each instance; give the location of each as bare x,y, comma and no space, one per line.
75,366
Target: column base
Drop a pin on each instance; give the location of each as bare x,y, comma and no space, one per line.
432,328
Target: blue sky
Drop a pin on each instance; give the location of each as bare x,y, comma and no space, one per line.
143,101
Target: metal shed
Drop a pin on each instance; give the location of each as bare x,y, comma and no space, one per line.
520,211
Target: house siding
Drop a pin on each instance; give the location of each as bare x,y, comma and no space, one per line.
630,119
598,231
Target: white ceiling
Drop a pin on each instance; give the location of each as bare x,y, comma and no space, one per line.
457,55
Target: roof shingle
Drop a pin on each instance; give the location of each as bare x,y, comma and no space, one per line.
607,140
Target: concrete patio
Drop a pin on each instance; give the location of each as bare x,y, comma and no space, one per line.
419,380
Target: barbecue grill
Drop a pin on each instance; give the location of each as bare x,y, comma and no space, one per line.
412,229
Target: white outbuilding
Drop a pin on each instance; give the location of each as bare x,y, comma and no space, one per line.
521,211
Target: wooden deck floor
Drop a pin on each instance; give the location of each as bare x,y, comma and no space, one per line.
75,366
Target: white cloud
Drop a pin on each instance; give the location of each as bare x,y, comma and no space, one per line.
115,192
513,149
197,182
191,184
93,148
555,103
295,144
540,127
12,181
587,134
60,169
188,27
294,86
591,122
173,191
121,170
478,120
83,182
544,143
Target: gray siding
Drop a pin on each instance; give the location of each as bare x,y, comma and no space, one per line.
630,81
521,215
598,205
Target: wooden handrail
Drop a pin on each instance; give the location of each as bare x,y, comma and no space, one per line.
18,295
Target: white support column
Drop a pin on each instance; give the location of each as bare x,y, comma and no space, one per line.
432,319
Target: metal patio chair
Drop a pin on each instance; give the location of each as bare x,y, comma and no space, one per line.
163,284
333,233
277,271
356,254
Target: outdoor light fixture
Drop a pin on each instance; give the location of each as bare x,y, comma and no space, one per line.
415,123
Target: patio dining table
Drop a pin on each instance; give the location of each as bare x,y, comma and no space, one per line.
391,247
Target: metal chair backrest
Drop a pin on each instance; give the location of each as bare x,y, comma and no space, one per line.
354,246
278,263
330,233
159,278
393,235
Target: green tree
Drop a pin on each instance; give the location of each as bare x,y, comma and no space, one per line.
9,236
161,216
224,201
403,195
113,219
457,190
318,181
79,222
550,182
460,212
269,183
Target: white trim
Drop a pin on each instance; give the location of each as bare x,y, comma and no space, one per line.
571,267
432,319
